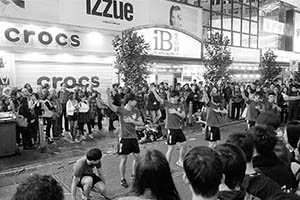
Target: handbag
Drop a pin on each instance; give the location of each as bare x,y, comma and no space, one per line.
21,120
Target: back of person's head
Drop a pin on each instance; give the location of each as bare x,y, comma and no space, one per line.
174,93
293,132
203,169
129,97
38,187
153,172
245,141
264,140
234,164
94,154
268,120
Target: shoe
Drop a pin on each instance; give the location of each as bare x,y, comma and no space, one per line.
180,164
91,136
124,183
50,140
83,137
27,148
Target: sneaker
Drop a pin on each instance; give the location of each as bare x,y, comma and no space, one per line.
83,137
91,136
180,164
124,183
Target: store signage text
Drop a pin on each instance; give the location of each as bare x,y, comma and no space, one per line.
166,42
110,9
70,81
44,37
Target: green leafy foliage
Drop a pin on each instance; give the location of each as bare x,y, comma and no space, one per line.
131,58
217,58
268,67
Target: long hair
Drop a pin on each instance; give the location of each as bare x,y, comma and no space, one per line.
153,173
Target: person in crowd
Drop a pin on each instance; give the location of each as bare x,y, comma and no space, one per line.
63,95
203,172
194,97
234,168
48,115
237,101
37,187
83,116
129,119
93,110
6,103
212,130
117,101
255,182
28,87
57,114
37,109
268,163
175,114
153,179
293,99
88,175
270,104
72,108
24,111
153,105
39,90
101,106
254,107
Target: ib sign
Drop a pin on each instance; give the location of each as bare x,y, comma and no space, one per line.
170,42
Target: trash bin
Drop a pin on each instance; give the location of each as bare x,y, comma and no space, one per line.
8,136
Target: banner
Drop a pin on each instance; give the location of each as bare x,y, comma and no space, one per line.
106,14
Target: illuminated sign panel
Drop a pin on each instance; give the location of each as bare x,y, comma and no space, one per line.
169,42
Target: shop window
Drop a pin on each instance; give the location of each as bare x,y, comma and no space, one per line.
205,4
254,14
237,24
206,33
245,28
237,10
253,41
216,6
236,40
254,28
206,18
246,12
254,3
227,22
216,20
228,35
245,40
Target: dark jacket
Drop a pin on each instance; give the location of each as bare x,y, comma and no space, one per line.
271,166
231,195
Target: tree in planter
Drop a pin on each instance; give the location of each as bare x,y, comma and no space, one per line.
131,58
268,67
218,58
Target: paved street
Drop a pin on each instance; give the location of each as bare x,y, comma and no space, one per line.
59,159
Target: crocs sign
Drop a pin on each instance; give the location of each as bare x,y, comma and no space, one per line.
43,37
70,81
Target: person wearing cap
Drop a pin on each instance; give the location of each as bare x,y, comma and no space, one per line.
129,118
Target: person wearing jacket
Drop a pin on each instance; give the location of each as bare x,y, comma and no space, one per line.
48,114
72,108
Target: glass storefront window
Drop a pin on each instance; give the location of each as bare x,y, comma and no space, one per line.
216,6
237,10
206,32
245,40
253,41
254,14
245,28
206,18
254,3
246,12
237,24
216,20
227,22
228,34
205,4
254,28
236,40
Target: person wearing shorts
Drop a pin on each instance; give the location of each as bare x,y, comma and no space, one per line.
175,113
129,118
84,176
